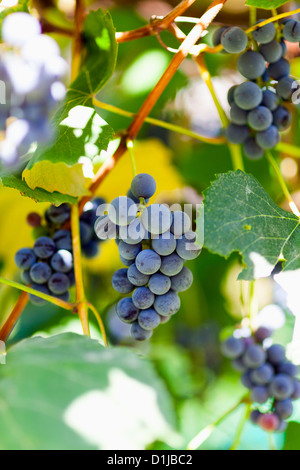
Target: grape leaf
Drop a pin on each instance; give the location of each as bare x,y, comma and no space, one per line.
80,131
241,217
266,4
69,392
39,195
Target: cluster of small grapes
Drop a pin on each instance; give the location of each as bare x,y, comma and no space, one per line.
257,109
31,70
269,376
154,244
48,266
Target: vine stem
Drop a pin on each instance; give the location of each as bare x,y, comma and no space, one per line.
130,144
282,183
289,149
235,150
133,130
204,434
100,323
241,427
14,316
157,25
29,290
253,15
80,296
159,123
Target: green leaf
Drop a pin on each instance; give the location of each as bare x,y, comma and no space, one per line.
81,132
38,195
68,392
241,217
266,4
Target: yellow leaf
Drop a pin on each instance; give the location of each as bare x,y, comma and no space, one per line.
72,180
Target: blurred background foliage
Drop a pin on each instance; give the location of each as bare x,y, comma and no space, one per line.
185,351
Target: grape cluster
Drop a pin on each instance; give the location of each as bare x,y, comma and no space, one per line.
31,70
258,112
269,376
153,244
48,266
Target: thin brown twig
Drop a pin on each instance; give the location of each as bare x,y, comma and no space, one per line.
157,25
9,324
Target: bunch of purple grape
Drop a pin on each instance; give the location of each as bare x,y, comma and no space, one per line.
269,376
258,112
48,266
153,244
31,72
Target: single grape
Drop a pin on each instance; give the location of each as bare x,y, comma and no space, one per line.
157,219
59,215
270,100
25,276
285,88
259,394
34,219
271,52
238,365
44,247
246,380
127,262
291,31
234,40
268,422
129,251
284,408
296,392
171,264
133,233
143,298
121,283
159,284
164,244
262,333
279,69
91,250
216,37
148,262
59,283
254,416
282,387
238,116
252,150
187,247
251,64
182,281
248,96
237,134
25,258
288,368
268,139
276,354
63,240
122,210
263,375
281,427
62,261
254,356
127,311
86,233
164,319
167,304
260,119
148,319
136,277
143,186
233,347
265,33
105,229
282,118
181,223
140,334
40,273
230,94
